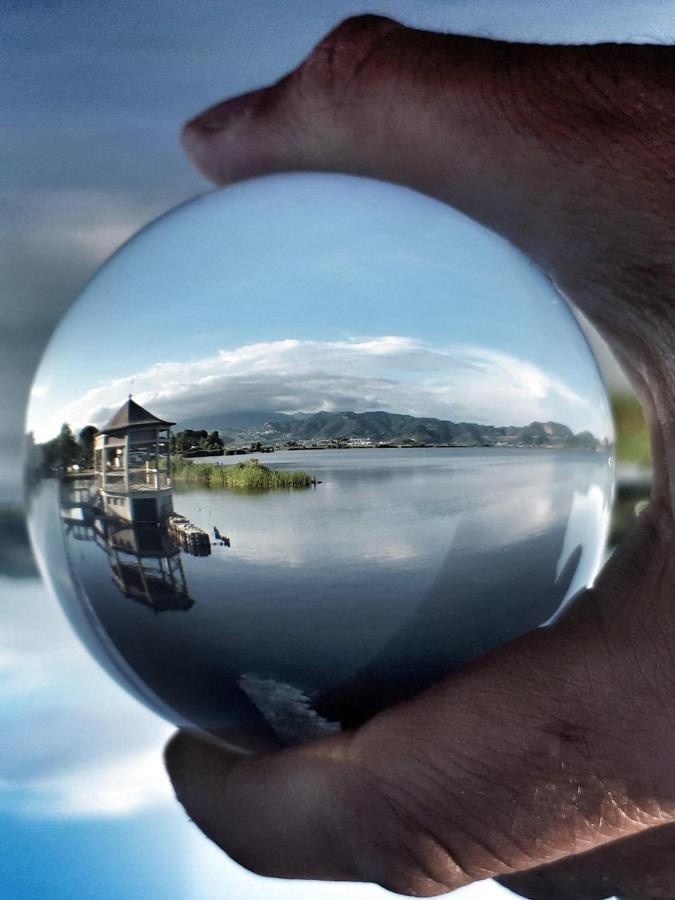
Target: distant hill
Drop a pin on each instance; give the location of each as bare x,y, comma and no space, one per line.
241,426
379,426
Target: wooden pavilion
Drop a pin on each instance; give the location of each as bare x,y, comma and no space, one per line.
132,459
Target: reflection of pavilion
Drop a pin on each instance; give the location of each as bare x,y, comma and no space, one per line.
145,564
147,567
132,458
124,510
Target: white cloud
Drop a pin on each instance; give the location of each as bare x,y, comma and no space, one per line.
390,372
73,743
39,390
108,785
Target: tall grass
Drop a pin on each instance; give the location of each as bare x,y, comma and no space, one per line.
249,476
632,436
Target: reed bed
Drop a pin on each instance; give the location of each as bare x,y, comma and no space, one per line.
250,475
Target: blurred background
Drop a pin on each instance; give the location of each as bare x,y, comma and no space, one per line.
93,98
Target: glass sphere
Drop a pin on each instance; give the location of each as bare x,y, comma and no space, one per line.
307,444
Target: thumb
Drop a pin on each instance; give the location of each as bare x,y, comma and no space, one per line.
310,812
281,815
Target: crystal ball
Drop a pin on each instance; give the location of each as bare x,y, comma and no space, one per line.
307,444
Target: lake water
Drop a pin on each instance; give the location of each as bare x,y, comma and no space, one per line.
333,601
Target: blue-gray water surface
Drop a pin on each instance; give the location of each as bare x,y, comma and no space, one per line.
333,601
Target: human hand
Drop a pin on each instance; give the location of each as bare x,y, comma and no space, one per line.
562,742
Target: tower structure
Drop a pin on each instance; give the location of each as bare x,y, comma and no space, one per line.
132,459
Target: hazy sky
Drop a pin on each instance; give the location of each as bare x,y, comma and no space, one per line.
303,293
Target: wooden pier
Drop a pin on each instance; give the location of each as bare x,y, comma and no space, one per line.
188,536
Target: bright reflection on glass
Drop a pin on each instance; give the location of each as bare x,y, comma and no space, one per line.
305,446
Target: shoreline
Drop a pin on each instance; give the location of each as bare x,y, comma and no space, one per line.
230,452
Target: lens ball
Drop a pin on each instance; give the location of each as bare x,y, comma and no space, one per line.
307,444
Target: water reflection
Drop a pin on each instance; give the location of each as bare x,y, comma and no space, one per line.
145,561
322,605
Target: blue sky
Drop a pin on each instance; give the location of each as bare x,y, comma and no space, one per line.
319,292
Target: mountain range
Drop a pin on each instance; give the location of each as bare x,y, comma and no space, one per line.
379,426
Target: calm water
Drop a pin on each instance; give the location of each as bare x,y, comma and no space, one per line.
331,602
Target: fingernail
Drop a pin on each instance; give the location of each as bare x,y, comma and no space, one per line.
191,755
217,117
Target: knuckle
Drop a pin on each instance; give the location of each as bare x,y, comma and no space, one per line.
391,845
357,29
343,54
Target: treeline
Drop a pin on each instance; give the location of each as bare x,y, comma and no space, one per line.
68,449
189,439
64,451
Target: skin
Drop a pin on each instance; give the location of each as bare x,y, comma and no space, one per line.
550,762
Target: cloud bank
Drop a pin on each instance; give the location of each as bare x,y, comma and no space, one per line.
390,372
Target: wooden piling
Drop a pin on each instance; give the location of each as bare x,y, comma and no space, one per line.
188,536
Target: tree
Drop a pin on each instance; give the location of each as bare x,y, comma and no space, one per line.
190,439
87,436
62,451
187,439
215,441
69,449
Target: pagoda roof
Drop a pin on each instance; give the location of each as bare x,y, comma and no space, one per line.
132,415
